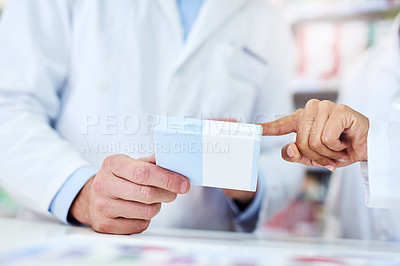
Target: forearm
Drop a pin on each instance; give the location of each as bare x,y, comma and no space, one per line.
36,161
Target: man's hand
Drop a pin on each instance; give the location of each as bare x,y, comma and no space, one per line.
328,135
126,194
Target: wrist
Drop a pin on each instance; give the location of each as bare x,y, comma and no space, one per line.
243,203
79,210
241,198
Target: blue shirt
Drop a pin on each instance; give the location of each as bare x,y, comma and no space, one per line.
244,220
188,9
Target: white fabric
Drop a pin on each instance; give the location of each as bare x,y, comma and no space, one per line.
84,67
372,87
381,172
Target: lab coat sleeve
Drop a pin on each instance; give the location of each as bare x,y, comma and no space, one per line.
381,174
64,198
283,180
35,160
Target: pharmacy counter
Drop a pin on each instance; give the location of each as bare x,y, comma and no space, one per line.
24,243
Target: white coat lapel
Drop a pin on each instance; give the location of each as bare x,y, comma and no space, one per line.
213,14
170,10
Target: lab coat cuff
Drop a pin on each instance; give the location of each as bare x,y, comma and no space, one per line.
377,172
364,174
64,198
246,221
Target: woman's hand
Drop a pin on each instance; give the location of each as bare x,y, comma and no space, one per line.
328,135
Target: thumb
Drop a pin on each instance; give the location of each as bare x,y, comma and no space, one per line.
290,153
283,126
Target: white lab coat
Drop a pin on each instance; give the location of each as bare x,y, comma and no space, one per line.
65,65
372,88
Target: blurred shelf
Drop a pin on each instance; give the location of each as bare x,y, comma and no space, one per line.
301,98
299,13
306,88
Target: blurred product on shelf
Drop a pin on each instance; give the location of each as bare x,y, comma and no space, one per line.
330,36
2,3
324,50
305,215
306,11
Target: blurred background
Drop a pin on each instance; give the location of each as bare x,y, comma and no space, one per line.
329,36
7,207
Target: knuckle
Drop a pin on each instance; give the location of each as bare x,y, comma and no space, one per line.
98,186
100,206
102,226
146,193
315,144
141,174
312,102
327,139
169,182
302,145
109,162
326,103
341,108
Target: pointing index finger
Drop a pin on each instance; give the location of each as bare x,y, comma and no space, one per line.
283,126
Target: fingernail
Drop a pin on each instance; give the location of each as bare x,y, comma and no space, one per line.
184,187
330,168
290,152
342,160
296,153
